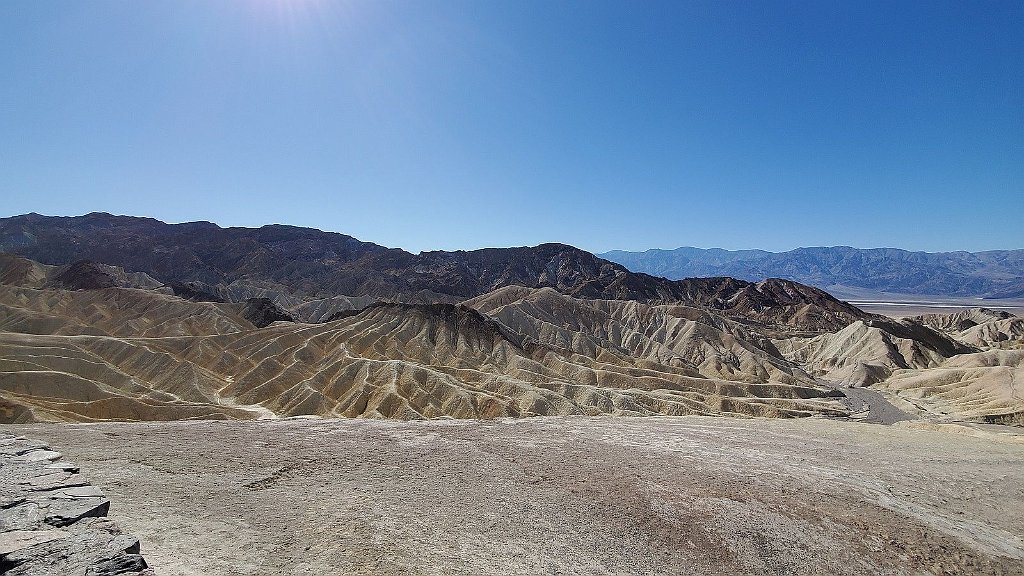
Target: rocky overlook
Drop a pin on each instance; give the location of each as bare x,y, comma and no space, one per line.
53,522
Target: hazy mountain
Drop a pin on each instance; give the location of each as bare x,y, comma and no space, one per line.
993,274
202,261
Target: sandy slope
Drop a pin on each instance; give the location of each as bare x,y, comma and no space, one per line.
980,327
982,385
987,385
119,312
575,495
716,346
860,354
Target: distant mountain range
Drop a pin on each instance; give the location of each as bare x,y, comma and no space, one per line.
202,261
990,274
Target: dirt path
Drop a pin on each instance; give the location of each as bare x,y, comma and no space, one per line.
863,400
557,496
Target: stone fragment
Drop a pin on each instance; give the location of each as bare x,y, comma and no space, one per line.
19,446
8,500
64,466
55,480
63,512
15,540
37,456
25,516
93,546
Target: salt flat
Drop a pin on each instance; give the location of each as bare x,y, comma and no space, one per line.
905,305
559,495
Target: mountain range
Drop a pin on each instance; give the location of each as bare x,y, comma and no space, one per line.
108,317
990,274
203,261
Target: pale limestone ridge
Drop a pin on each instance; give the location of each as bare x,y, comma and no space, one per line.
985,384
980,327
859,354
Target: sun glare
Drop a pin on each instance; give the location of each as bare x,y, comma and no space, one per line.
295,13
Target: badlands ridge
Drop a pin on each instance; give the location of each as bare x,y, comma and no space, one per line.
137,351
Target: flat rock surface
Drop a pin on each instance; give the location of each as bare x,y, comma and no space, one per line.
569,495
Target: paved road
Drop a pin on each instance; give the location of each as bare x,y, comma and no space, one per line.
879,410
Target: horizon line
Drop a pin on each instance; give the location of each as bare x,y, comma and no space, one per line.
594,252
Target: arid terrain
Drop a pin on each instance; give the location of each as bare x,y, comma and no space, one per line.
289,401
279,321
565,495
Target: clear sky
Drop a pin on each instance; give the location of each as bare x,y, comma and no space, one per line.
448,125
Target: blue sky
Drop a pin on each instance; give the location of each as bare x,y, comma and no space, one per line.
451,125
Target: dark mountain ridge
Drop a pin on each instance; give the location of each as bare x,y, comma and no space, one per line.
318,264
992,274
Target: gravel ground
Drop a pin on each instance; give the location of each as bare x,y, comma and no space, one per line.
572,495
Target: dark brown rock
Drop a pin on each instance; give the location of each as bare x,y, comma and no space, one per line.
263,312
313,263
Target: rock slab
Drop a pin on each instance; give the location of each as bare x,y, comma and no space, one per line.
53,522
